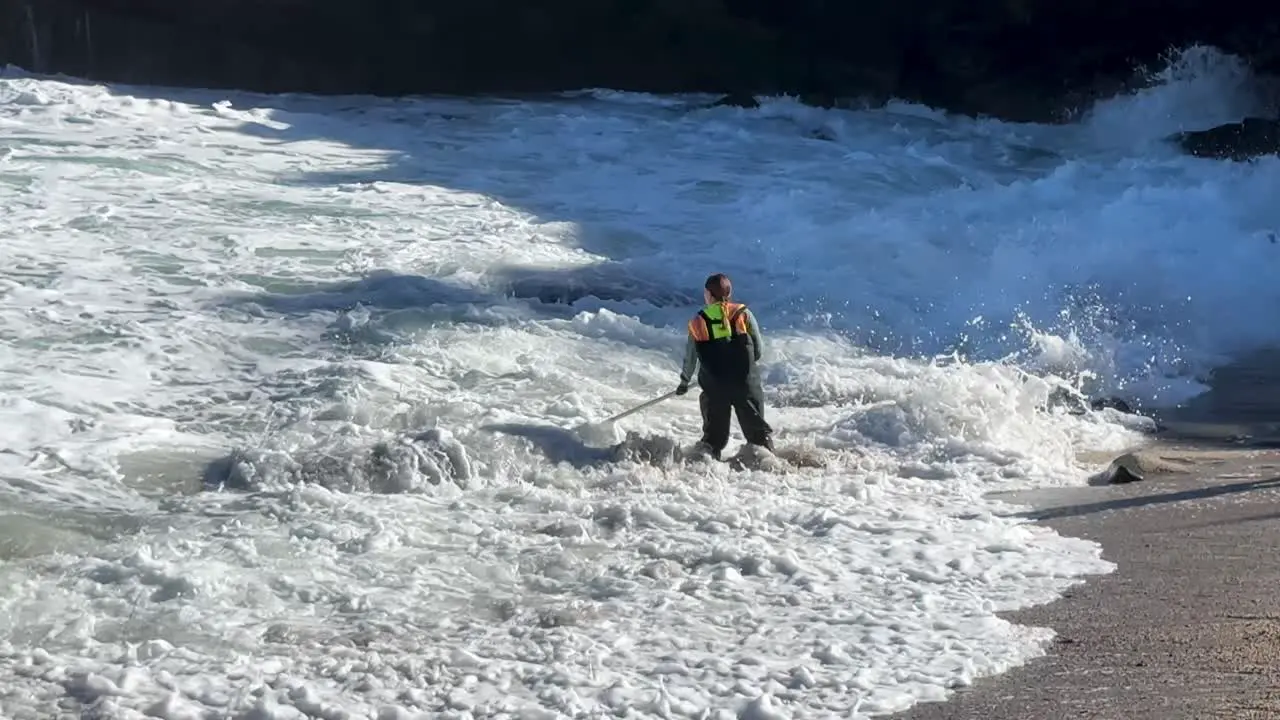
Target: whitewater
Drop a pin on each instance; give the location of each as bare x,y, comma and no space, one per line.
289,389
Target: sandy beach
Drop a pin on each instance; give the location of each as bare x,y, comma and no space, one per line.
1188,626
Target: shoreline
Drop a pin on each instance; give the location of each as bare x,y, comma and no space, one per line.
1188,624
969,58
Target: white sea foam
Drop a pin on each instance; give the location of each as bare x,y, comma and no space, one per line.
291,384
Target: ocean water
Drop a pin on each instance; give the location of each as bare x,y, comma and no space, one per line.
292,388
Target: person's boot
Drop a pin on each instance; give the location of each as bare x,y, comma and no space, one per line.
702,446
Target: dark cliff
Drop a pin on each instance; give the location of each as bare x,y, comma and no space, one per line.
1020,59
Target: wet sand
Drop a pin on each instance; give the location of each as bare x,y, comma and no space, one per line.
1188,626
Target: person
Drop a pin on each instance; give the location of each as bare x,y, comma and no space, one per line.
724,347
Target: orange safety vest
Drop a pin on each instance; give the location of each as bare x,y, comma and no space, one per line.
709,324
724,344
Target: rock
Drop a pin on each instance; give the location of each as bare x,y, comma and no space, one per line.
1121,473
1077,404
1112,403
1244,140
1137,466
1015,59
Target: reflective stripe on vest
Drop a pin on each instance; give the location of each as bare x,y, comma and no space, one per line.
708,325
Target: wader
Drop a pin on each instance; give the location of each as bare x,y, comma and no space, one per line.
728,376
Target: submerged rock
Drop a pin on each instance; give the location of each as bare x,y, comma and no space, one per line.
1017,59
1244,140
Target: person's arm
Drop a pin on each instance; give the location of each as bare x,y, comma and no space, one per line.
690,360
753,328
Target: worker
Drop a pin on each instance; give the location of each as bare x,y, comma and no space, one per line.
724,348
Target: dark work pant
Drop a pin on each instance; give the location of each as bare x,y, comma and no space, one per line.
746,401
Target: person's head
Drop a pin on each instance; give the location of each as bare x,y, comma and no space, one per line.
717,288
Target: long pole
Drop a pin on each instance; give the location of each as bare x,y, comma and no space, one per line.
638,408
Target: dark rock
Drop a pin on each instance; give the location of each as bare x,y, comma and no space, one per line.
1112,403
1123,470
1078,404
1017,59
1067,399
1122,475
1245,140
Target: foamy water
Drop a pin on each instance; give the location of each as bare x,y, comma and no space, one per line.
291,385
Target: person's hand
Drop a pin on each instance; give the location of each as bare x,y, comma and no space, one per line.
682,388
